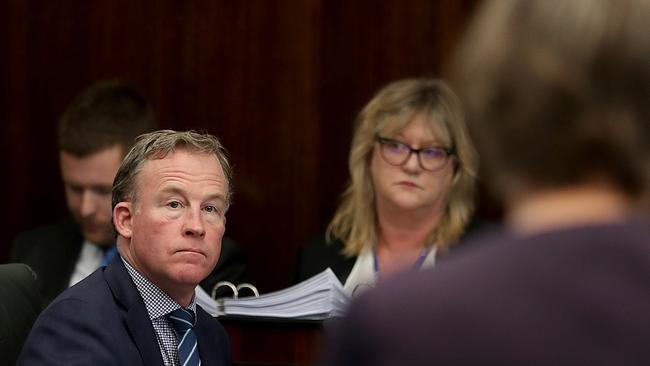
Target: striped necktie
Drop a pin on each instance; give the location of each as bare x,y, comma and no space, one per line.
182,320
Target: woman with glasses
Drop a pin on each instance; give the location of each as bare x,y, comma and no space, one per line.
411,191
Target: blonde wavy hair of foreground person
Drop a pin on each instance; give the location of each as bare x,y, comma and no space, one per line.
391,110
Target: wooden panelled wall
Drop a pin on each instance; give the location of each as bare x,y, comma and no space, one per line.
280,83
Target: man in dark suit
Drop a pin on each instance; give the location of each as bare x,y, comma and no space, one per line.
54,251
557,96
169,199
95,132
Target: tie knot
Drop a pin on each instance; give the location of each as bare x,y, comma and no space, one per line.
181,320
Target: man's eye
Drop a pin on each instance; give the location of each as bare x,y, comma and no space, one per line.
174,204
75,189
211,209
102,191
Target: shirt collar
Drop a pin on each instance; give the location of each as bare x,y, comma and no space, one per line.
156,301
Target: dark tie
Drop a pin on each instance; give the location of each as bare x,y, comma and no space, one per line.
182,321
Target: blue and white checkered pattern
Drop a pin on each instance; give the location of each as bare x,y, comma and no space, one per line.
158,305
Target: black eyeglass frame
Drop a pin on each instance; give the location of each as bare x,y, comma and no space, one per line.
384,141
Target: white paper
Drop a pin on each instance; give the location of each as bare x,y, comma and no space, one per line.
317,298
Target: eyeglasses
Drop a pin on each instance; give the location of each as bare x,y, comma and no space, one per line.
398,153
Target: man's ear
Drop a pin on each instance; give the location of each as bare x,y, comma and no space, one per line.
123,219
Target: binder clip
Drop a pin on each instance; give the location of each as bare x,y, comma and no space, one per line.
228,284
236,290
248,286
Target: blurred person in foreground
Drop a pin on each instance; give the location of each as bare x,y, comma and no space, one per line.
169,198
411,192
557,97
95,132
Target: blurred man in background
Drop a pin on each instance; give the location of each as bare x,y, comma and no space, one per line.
94,134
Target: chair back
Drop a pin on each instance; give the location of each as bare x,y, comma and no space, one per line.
19,307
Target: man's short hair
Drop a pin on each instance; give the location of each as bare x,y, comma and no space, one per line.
158,145
106,114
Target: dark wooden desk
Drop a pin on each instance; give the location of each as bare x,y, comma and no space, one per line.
263,341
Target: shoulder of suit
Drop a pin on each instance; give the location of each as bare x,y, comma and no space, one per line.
66,228
320,245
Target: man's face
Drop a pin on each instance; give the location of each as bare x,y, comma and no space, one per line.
177,221
88,181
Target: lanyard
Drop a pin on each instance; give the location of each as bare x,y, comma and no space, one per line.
418,263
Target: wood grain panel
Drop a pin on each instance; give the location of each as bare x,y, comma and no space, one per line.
278,81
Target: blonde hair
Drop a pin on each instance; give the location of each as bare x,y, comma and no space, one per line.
391,110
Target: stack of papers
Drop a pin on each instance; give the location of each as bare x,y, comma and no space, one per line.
317,298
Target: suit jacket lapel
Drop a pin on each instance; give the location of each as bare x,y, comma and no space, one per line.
136,316
207,339
137,320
